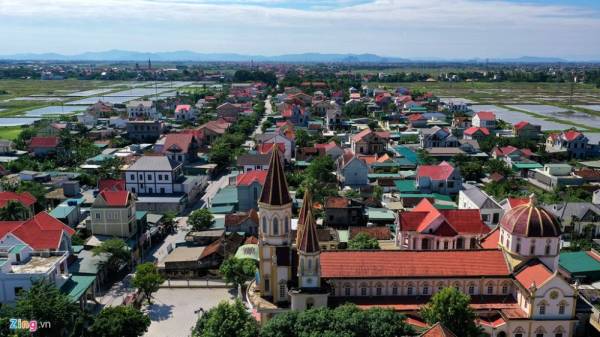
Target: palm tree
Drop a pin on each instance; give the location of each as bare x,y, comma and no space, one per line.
14,211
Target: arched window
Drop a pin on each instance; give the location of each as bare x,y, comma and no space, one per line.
547,248
542,309
309,264
518,245
286,225
457,286
282,289
363,289
264,226
302,265
471,289
425,289
275,226
559,331
561,307
490,288
395,289
347,289
409,289
378,289
504,289
532,248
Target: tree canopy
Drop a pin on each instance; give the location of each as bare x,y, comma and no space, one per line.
347,320
363,241
147,279
200,219
118,253
13,211
237,271
451,307
122,321
226,320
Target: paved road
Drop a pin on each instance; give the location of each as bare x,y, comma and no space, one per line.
172,314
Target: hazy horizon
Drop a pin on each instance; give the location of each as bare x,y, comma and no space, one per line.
413,29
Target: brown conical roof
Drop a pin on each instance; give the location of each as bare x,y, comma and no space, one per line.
309,240
275,191
306,204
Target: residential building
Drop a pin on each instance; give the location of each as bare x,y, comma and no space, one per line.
443,178
526,130
476,133
577,218
142,110
180,147
484,119
427,228
253,161
246,222
351,171
228,111
249,186
43,146
554,176
144,131
185,112
154,175
474,198
574,143
437,137
6,146
113,214
25,198
342,212
370,142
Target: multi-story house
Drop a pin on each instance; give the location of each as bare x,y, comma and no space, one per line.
526,130
180,147
351,171
573,142
154,175
474,198
333,116
185,112
249,186
142,110
342,212
228,111
25,198
443,178
476,133
437,137
141,131
113,214
43,146
370,142
427,228
484,119
253,161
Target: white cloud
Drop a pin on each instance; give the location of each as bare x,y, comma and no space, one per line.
382,26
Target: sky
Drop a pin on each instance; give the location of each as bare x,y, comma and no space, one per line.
448,29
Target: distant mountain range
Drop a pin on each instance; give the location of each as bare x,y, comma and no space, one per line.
184,55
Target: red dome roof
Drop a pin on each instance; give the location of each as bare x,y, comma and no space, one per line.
531,221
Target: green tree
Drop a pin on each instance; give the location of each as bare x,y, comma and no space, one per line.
497,166
237,271
302,138
110,168
45,303
377,192
451,307
147,279
346,320
118,254
200,219
220,154
363,241
373,125
14,211
226,320
120,321
424,158
321,169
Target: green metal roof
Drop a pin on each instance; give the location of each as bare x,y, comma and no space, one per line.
406,186
383,175
16,249
226,209
226,196
249,251
425,195
380,214
62,211
77,285
407,153
580,265
521,166
139,215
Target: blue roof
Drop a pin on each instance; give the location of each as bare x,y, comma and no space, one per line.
62,211
225,197
407,153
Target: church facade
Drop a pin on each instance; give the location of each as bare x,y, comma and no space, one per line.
513,282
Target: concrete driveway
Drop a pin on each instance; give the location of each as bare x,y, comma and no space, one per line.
172,313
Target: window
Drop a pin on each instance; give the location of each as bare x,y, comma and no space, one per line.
264,226
18,290
561,309
285,225
547,248
542,309
379,290
558,335
267,285
409,290
518,245
445,245
162,190
310,303
132,176
149,177
532,248
504,289
471,289
490,289
160,177
539,335
394,289
282,290
141,176
98,216
129,227
347,290
425,290
275,226
363,291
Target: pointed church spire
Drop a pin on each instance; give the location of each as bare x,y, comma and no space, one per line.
306,204
275,191
309,240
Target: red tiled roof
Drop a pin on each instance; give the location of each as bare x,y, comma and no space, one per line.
491,240
472,130
451,222
115,198
514,202
398,263
267,147
251,240
180,107
24,198
111,184
44,142
178,142
359,136
336,202
40,232
246,179
486,115
442,171
521,125
438,330
536,273
571,135
416,117
327,146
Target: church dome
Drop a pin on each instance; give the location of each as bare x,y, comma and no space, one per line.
528,220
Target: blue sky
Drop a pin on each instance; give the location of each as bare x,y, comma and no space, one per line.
403,28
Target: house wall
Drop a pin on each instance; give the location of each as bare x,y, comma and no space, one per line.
355,173
114,221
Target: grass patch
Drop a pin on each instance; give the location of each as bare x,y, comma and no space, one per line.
10,132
